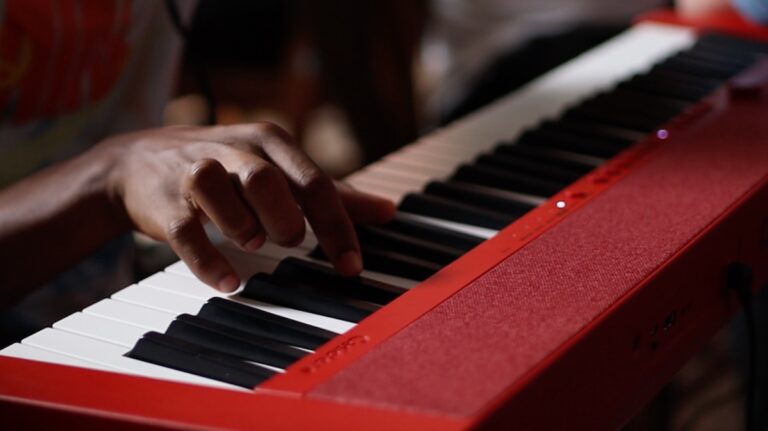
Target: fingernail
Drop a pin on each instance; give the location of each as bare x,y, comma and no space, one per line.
255,243
229,283
350,263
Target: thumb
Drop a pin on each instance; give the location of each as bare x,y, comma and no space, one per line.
365,208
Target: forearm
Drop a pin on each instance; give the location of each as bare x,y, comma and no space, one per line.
55,218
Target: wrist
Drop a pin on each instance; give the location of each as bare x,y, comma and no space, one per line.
102,162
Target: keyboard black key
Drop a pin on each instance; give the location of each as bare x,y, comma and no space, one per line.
264,287
447,209
645,103
233,342
697,67
653,114
503,201
670,83
613,118
553,156
263,324
612,135
532,167
362,288
180,355
569,142
391,262
503,179
730,44
406,225
407,245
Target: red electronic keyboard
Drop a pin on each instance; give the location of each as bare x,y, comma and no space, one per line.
555,259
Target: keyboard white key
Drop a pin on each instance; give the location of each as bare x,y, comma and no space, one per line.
179,304
110,355
101,328
376,188
182,285
132,314
158,299
418,162
23,351
395,172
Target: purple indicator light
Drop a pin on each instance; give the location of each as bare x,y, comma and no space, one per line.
662,134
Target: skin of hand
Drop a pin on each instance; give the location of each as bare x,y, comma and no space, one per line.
251,181
699,8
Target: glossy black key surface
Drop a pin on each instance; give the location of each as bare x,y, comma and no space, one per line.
231,341
648,104
263,324
553,156
672,84
390,262
362,288
730,44
613,118
569,142
448,209
181,355
503,179
532,167
407,245
503,201
616,136
264,287
652,114
697,67
419,229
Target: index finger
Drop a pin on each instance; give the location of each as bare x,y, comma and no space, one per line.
318,197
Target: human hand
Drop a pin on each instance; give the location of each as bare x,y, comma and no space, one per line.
251,181
699,8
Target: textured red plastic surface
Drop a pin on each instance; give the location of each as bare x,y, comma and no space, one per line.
36,395
485,338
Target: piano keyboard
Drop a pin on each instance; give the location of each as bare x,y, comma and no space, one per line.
455,188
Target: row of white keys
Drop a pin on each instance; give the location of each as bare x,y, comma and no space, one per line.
23,351
112,356
440,153
148,318
395,194
179,295
125,334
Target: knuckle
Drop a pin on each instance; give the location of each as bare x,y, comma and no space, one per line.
259,177
313,180
181,229
269,128
242,232
292,236
203,172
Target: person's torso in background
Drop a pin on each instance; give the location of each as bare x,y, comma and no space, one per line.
73,72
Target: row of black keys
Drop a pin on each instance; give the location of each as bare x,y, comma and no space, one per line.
225,336
491,192
547,158
503,185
